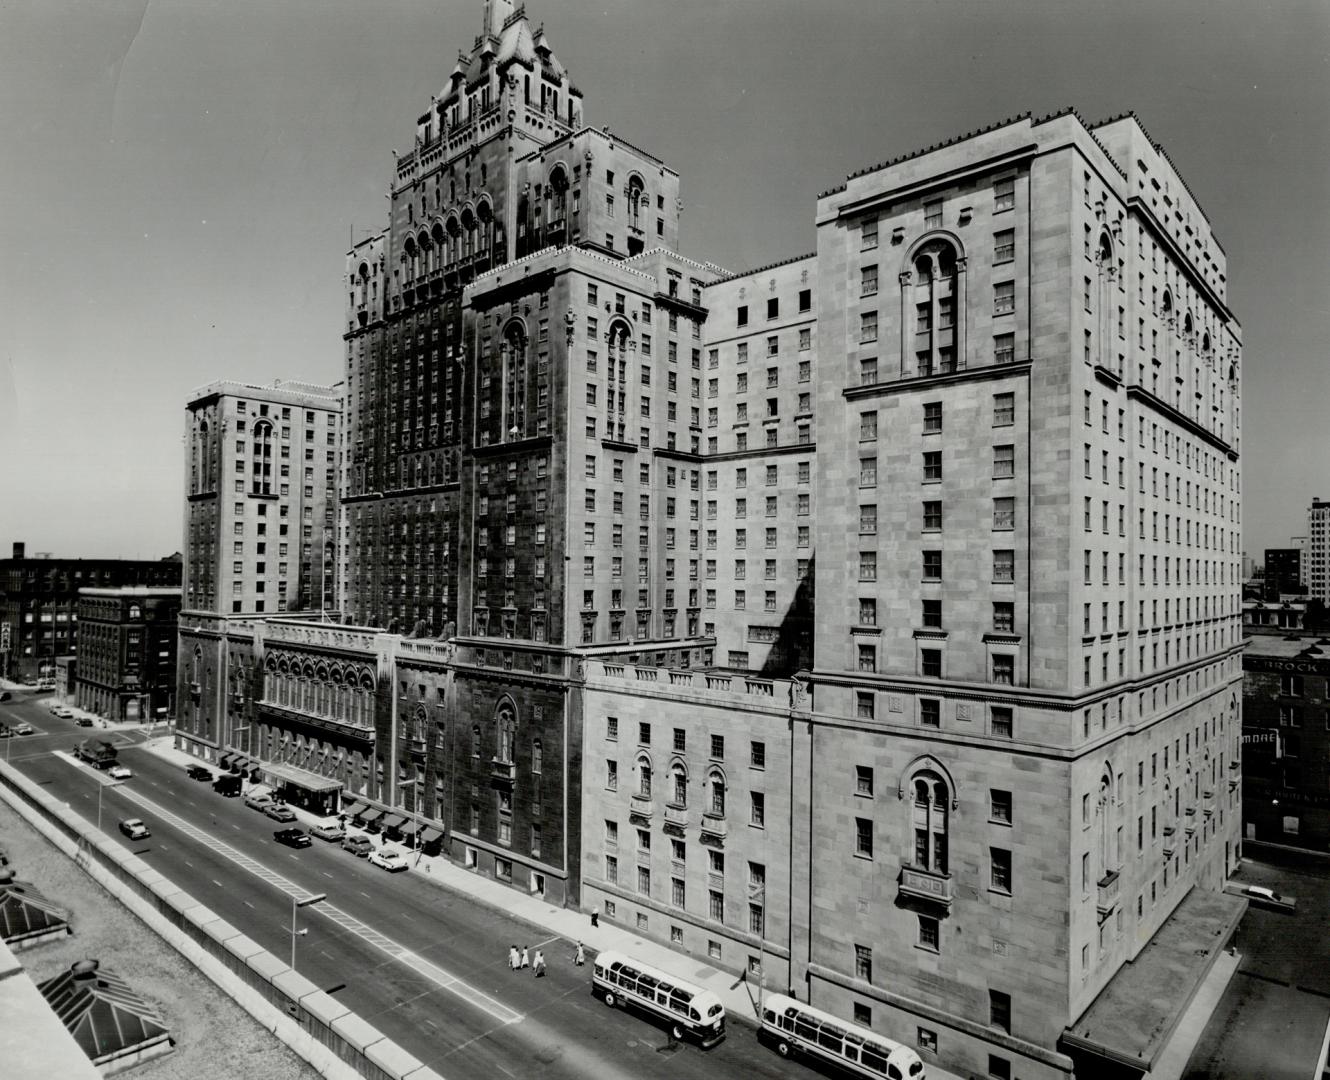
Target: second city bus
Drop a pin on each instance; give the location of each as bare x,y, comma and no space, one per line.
688,1010
798,1028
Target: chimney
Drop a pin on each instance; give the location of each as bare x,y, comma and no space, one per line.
19,549
84,970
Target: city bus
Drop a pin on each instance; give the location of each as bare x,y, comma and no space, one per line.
688,1010
798,1028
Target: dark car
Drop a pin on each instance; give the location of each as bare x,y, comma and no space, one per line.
358,845
198,772
83,721
292,837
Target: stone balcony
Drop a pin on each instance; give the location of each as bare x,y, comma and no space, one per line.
503,771
676,815
1108,894
926,885
641,805
713,825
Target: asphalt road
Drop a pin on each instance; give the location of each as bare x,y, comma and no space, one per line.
1272,1018
451,1000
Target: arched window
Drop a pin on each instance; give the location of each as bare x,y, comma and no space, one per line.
537,755
644,776
716,793
468,233
514,349
558,193
261,459
678,785
636,197
935,301
484,227
475,740
929,810
506,722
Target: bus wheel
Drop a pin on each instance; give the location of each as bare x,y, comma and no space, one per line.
676,1033
783,1048
609,999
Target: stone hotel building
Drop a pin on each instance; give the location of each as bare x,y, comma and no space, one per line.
868,622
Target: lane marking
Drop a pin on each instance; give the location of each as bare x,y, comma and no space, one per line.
218,883
247,903
441,977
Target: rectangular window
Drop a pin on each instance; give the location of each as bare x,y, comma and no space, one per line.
932,465
1004,245
868,235
930,712
757,809
1004,565
868,327
1004,513
928,933
1004,194
1004,348
863,781
868,280
999,803
863,837
933,214
1004,298
1004,461
999,1007
1000,866
863,963
932,417
931,613
1004,410
932,561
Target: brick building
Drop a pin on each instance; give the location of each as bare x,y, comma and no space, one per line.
127,651
1286,741
39,599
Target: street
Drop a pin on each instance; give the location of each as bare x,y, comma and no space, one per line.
1272,1018
426,966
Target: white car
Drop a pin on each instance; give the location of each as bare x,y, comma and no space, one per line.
119,772
1262,893
391,861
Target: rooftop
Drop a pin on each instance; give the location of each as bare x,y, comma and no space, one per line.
1287,646
106,1017
1134,1015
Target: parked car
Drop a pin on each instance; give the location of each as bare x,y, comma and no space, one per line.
6,732
1262,893
258,800
198,772
134,829
359,845
333,831
279,812
292,837
24,729
4,695
66,713
391,861
83,721
227,784
119,772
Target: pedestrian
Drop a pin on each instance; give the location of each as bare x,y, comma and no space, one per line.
526,958
512,957
595,915
539,966
579,957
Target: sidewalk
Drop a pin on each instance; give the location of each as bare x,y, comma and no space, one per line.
738,995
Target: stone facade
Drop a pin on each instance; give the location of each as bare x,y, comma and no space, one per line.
261,497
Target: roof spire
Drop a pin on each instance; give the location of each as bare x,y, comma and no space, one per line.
497,12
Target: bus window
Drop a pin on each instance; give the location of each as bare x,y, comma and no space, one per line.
874,1057
769,1015
853,1044
646,985
714,1010
805,1028
830,1037
679,1002
696,1015
894,1073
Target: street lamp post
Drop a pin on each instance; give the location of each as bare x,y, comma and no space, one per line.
415,815
307,902
234,732
102,785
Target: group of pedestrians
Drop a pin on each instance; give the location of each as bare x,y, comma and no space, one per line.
521,958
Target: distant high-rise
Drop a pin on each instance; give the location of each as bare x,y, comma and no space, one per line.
261,497
1318,551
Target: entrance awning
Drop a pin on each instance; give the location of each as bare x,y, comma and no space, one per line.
1134,1015
370,813
430,834
409,829
302,778
351,807
393,821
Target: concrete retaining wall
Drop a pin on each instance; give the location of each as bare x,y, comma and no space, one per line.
334,1040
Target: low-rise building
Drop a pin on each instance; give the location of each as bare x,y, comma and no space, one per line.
1285,742
127,651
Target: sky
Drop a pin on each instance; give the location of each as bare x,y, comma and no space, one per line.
180,181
